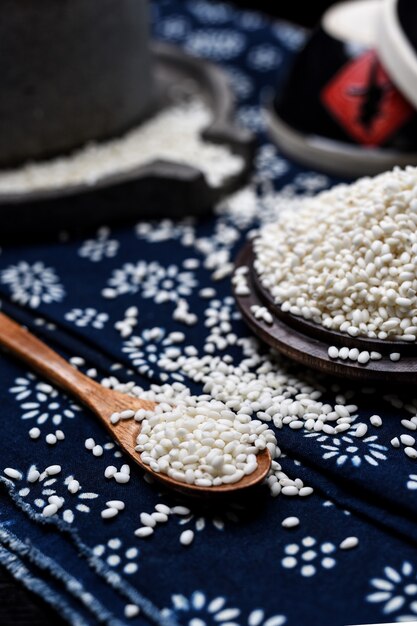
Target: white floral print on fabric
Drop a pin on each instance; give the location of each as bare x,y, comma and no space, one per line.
210,12
396,591
199,519
75,502
241,82
100,248
216,44
309,556
257,618
126,325
199,610
167,230
87,317
311,182
199,522
42,323
290,36
48,486
250,21
174,27
269,164
347,449
41,402
32,284
116,555
264,58
152,280
253,117
153,347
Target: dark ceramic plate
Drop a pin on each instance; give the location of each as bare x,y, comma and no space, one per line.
159,188
308,344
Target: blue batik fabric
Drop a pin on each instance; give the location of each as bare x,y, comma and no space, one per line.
243,568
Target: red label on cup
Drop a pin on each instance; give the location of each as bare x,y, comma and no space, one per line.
362,98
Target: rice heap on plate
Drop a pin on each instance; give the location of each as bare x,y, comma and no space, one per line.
174,134
348,258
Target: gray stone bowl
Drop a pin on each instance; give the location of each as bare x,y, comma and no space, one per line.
71,71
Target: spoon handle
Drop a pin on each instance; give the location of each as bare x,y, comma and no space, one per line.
21,343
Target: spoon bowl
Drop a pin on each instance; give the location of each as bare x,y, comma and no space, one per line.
104,402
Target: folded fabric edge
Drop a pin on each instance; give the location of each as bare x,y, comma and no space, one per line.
381,514
21,572
122,587
45,563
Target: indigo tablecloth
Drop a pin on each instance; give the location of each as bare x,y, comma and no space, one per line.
243,568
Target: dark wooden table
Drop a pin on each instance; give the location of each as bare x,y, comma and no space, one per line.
19,607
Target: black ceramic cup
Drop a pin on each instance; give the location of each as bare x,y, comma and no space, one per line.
339,110
71,71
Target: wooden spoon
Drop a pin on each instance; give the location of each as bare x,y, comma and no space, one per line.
103,402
